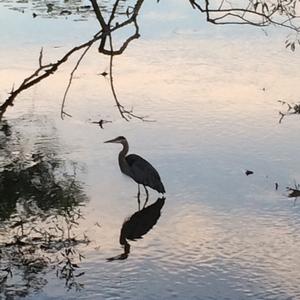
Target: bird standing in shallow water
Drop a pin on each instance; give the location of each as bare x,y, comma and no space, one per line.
141,171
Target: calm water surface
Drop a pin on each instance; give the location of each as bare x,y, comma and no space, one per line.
213,93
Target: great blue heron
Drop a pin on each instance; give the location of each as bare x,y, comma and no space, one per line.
141,171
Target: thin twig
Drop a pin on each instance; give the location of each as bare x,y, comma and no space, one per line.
240,13
112,15
43,72
125,114
41,58
62,112
111,80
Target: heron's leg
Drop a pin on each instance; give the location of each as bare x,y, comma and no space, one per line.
138,197
147,196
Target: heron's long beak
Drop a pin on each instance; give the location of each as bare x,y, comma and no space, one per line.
112,141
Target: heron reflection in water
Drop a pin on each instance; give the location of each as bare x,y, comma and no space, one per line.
140,170
140,223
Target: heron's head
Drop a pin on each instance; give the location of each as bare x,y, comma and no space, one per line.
117,140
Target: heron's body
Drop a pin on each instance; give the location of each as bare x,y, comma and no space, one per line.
137,167
140,170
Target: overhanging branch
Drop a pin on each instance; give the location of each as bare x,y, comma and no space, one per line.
42,72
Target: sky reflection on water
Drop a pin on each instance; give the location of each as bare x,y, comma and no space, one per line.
221,235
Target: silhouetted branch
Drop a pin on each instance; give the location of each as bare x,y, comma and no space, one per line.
130,20
255,13
98,14
292,109
41,58
43,72
248,12
294,192
125,114
62,112
103,25
136,35
112,15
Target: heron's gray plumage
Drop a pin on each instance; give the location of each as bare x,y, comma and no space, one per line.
150,178
140,170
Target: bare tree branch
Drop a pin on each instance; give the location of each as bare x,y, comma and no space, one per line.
136,35
41,58
43,72
112,15
62,111
132,19
248,12
125,114
258,13
98,14
292,109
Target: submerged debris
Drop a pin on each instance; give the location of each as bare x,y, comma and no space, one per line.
293,193
292,109
101,122
104,74
248,172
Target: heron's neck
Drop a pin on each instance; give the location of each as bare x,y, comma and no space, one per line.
122,159
124,151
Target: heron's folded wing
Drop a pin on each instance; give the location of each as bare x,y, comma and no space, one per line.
144,172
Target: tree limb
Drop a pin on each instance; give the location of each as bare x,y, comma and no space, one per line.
62,111
42,72
125,114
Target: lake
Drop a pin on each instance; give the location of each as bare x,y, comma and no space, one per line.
211,95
